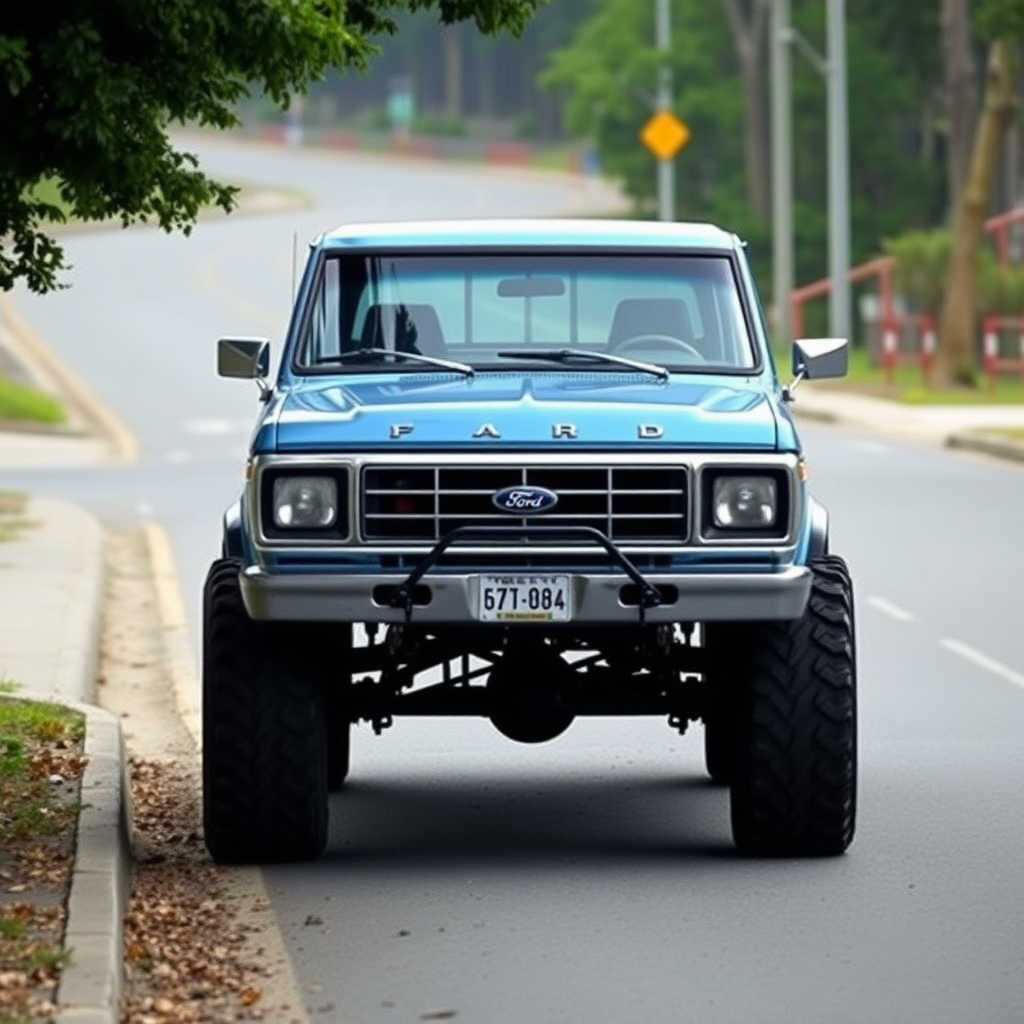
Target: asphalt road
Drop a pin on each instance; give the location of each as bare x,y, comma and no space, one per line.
592,878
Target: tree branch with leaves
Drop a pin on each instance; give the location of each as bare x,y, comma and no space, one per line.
87,99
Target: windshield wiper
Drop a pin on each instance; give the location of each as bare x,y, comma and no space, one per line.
572,355
372,353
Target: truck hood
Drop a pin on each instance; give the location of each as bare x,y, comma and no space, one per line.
513,410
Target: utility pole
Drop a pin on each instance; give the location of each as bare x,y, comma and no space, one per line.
838,173
833,69
666,167
782,172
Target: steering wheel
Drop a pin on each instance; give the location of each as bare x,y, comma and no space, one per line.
657,341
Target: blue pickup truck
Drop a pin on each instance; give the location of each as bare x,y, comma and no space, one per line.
527,470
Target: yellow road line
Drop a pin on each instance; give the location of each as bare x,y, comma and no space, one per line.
174,618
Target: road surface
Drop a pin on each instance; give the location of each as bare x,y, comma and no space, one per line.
592,878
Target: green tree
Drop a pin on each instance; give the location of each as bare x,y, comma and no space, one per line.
87,98
607,74
1001,22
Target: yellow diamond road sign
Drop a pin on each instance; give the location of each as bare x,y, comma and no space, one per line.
664,134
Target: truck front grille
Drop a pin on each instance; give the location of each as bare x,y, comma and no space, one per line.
628,503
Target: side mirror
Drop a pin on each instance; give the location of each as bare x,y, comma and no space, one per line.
819,358
248,358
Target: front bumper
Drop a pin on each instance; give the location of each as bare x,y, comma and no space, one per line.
598,598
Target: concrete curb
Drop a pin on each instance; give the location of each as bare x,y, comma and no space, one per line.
1000,447
62,562
92,983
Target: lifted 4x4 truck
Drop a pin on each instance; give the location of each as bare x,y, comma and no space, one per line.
527,470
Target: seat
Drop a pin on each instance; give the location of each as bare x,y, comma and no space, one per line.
413,328
635,317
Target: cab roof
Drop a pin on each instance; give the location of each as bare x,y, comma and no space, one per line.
528,232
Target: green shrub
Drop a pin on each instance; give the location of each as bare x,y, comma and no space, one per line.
1000,289
439,124
920,263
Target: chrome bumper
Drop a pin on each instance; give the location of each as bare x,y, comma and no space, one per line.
597,598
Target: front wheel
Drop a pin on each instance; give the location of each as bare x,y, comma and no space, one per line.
793,785
264,734
337,685
724,643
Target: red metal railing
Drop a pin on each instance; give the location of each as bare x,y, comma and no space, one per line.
994,358
881,269
921,353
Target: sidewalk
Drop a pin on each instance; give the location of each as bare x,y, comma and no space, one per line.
51,601
965,427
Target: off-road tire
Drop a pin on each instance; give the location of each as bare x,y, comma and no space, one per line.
264,735
724,643
337,653
793,789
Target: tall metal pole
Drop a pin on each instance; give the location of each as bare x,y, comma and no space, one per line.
782,172
666,168
838,173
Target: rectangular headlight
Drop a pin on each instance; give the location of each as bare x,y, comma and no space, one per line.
305,502
744,502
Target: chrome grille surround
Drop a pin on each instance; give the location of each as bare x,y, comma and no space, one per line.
409,503
658,525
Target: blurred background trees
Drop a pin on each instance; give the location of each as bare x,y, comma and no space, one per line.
585,73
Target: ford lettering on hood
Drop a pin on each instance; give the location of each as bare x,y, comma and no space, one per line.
513,411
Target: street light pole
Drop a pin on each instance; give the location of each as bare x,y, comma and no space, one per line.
666,167
838,173
833,69
782,172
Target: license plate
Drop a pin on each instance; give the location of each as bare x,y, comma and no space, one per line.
525,599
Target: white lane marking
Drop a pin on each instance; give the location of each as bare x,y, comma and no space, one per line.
870,447
976,657
216,427
145,510
177,457
894,611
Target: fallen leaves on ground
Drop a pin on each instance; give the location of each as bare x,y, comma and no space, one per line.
185,952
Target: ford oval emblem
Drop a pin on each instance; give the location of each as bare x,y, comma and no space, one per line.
524,501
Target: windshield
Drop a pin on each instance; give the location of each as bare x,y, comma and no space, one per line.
681,312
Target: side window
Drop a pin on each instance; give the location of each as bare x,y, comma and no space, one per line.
730,329
322,338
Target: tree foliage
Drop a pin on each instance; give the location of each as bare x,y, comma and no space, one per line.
607,74
1002,22
87,98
